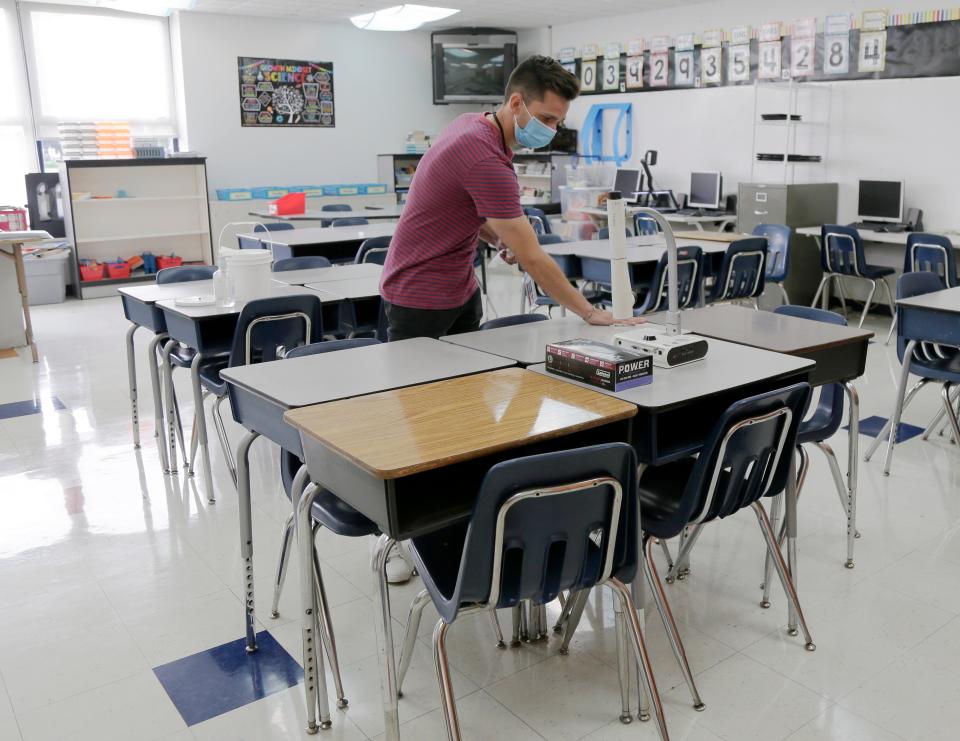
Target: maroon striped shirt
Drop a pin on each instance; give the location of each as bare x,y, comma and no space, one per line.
464,178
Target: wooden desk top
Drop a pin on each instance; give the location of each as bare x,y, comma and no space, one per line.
768,331
398,433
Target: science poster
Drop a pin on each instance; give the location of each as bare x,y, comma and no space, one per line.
285,92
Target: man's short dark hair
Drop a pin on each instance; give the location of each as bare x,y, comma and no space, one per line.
534,76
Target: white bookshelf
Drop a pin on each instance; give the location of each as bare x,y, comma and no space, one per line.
120,208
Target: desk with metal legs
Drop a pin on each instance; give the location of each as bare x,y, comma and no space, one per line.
328,275
337,243
428,477
261,394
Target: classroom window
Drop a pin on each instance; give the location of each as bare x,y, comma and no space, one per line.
100,67
16,152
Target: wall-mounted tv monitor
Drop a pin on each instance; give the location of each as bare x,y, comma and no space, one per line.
472,68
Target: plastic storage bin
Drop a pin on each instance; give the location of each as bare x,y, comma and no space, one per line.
168,261
271,193
234,194
46,277
91,271
117,270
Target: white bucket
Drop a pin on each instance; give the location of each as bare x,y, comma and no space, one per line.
250,271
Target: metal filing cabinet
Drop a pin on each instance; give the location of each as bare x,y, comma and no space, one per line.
795,205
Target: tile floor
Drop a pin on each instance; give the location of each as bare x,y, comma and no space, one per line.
108,570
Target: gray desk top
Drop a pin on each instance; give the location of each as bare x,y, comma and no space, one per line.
385,212
947,300
325,235
355,288
151,293
727,366
526,343
868,235
298,382
636,252
276,289
328,275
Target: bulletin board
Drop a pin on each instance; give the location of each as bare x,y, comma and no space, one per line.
285,92
878,46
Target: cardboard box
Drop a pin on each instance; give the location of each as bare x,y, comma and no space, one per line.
605,366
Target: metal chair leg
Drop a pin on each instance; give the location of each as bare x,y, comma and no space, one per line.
898,407
517,614
446,681
179,423
635,631
776,507
840,292
497,630
885,430
222,435
847,498
576,612
281,576
868,302
410,636
194,441
154,364
132,379
326,625
315,681
169,423
893,310
823,282
786,298
201,427
783,573
666,615
893,327
681,567
564,612
948,408
623,664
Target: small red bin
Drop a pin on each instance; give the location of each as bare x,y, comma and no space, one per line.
118,270
169,261
91,271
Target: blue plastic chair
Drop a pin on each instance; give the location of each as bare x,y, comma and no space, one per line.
351,221
185,273
689,279
373,250
273,226
604,233
928,361
931,253
334,208
538,219
541,525
267,329
745,458
778,254
645,225
249,243
513,319
569,264
816,430
741,272
304,262
841,255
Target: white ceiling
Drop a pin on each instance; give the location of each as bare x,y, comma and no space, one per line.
516,14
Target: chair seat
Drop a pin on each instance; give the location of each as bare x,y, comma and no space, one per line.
661,494
210,374
437,556
817,428
939,369
877,271
182,356
339,517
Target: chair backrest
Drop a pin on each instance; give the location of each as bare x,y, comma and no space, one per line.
742,270
268,328
538,219
644,225
689,280
186,273
333,207
745,457
908,286
373,250
546,523
549,239
841,250
604,233
829,411
273,226
249,243
509,321
304,262
352,221
931,253
778,250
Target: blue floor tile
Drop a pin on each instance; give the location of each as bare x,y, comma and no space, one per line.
226,677
31,406
871,427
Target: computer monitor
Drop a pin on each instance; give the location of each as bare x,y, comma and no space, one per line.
705,189
627,183
880,200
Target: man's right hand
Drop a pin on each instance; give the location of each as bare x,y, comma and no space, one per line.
602,318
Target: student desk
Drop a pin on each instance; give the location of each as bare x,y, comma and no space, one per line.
720,220
933,317
209,330
413,459
334,242
141,310
369,212
840,354
327,275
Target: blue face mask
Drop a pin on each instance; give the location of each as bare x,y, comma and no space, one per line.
536,134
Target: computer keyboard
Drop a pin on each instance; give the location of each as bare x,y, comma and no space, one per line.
876,226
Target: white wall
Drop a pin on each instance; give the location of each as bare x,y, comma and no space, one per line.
882,129
382,91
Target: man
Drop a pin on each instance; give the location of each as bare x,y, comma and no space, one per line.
465,188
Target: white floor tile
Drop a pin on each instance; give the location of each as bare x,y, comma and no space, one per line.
837,724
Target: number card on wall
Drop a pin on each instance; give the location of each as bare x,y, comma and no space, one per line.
683,69
873,51
634,72
711,70
588,75
738,68
770,60
801,56
836,54
659,62
611,73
